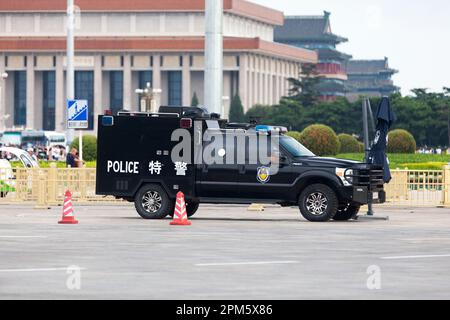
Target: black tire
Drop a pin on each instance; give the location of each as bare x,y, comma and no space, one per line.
346,214
159,208
191,208
318,203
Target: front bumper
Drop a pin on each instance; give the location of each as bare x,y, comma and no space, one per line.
368,184
362,195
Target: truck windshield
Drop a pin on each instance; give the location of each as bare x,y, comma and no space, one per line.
295,148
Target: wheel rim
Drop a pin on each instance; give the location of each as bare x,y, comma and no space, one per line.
316,203
151,201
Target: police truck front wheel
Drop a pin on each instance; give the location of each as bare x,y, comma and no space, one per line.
350,212
152,202
318,203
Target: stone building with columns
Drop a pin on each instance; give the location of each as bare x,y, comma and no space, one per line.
123,45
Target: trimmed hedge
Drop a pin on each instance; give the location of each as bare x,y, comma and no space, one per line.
349,144
320,139
401,141
89,147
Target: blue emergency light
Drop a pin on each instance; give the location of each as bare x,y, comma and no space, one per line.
266,128
107,121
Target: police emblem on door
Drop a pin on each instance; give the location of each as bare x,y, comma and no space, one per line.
263,174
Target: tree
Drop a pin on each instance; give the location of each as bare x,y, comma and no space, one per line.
305,89
89,147
194,101
447,104
236,110
425,114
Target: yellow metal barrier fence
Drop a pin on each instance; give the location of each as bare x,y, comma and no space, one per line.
46,187
419,187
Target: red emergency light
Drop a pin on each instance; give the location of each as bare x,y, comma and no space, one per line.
186,123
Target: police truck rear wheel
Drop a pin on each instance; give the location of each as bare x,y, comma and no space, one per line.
191,208
318,203
152,202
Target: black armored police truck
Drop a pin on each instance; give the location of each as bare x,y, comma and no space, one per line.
147,158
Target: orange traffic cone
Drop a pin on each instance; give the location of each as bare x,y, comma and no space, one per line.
68,217
179,214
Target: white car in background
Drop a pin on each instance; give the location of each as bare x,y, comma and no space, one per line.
54,139
7,183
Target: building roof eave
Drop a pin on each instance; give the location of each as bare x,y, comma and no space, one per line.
155,44
238,7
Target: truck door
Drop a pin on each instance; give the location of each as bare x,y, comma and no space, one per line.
257,182
218,180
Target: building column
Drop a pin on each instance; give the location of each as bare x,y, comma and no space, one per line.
261,76
157,78
186,81
283,78
2,95
243,78
277,87
30,93
38,109
127,94
98,89
251,87
271,88
60,99
267,88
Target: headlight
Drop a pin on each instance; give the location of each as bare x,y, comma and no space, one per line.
345,175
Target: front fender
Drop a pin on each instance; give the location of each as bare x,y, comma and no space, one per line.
317,176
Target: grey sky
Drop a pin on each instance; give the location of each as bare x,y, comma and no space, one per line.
415,35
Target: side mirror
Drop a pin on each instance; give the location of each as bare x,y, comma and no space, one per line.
284,161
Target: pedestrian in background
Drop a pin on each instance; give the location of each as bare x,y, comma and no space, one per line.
72,158
31,153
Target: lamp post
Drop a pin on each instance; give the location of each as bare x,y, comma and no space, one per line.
213,86
3,115
70,72
148,98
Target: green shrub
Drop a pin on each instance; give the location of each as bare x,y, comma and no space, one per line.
89,147
320,139
424,166
194,101
349,144
294,134
361,147
401,141
236,110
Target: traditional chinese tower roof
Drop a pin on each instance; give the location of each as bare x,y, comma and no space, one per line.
370,67
315,33
370,78
307,29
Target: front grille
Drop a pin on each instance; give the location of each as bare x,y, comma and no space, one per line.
370,176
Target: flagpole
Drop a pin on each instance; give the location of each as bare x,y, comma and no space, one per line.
365,106
70,71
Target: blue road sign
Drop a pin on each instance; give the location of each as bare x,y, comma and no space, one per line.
77,114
